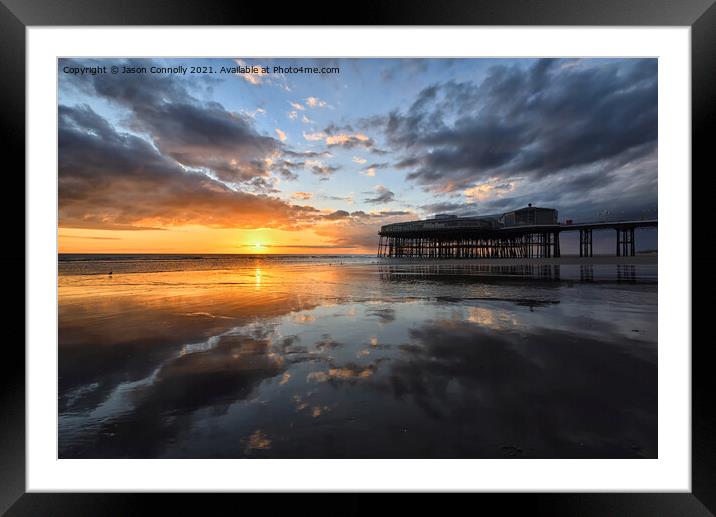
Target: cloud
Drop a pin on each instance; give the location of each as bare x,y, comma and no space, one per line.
343,137
489,189
307,154
448,207
383,195
319,169
361,228
253,114
391,213
302,195
297,106
359,160
349,141
281,135
315,102
314,137
301,246
554,118
328,197
308,161
286,173
113,180
403,68
255,76
338,214
197,134
369,170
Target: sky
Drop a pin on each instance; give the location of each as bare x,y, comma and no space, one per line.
314,155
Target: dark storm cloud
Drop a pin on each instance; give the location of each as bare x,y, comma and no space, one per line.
192,132
114,180
599,193
447,207
209,136
550,118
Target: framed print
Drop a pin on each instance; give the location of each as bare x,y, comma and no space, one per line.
446,253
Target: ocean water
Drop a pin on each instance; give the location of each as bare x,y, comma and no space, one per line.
354,357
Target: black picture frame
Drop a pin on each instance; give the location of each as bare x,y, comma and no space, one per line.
17,15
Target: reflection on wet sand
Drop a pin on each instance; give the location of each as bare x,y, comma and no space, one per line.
321,361
451,271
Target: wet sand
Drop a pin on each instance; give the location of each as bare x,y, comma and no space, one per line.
348,358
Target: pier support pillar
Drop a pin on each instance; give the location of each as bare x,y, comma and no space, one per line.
632,250
557,252
585,243
625,242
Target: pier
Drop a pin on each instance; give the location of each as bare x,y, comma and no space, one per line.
530,232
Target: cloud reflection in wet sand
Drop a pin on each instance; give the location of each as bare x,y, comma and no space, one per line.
201,367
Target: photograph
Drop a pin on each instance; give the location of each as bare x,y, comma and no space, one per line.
338,258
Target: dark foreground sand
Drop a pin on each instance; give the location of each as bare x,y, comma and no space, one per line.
571,260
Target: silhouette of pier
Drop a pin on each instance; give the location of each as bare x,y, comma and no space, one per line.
530,232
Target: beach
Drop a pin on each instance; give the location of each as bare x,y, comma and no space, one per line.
226,356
